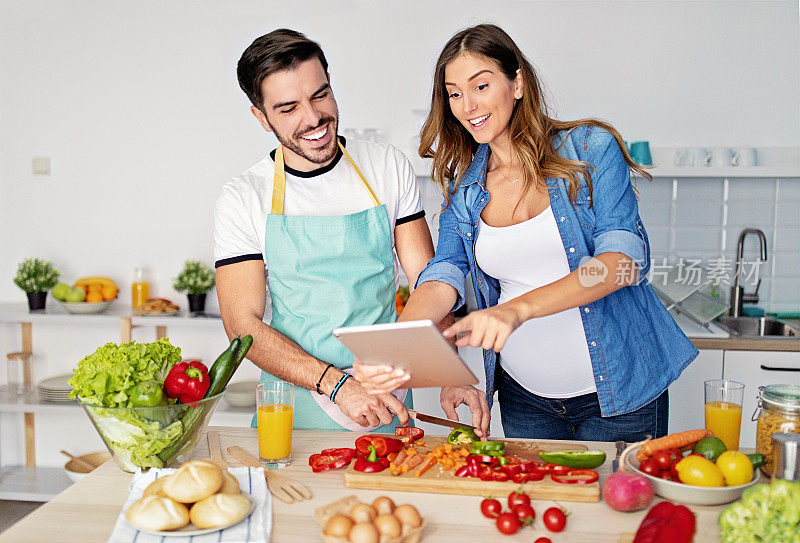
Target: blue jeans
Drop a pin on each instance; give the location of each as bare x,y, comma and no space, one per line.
527,415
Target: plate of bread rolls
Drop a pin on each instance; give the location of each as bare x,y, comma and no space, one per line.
197,499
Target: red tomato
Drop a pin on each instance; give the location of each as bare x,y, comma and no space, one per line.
662,458
672,468
666,475
554,519
490,508
507,523
524,513
543,540
675,453
518,497
650,467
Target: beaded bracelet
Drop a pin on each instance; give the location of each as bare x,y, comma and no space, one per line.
339,385
321,377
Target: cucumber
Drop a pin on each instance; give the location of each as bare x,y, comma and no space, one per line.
221,368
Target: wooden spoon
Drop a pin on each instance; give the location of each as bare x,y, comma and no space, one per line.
80,461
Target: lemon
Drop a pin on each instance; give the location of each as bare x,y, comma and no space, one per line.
697,471
736,468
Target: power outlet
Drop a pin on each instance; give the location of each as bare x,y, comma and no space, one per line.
41,166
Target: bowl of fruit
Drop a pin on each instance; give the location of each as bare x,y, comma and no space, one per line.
88,295
693,467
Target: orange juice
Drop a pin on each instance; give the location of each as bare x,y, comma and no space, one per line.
140,292
274,431
725,420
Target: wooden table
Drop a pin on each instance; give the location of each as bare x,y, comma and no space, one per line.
87,511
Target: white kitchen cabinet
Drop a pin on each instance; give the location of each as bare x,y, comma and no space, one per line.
755,369
686,393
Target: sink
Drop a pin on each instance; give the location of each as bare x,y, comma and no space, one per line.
759,327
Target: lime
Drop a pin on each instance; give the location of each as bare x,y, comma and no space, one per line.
710,447
574,459
757,459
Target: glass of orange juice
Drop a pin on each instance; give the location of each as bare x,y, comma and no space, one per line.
274,411
723,406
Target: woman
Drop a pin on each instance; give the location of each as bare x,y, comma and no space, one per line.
542,214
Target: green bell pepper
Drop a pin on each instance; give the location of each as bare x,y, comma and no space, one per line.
488,448
462,436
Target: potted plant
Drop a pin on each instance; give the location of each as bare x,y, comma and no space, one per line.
36,277
195,280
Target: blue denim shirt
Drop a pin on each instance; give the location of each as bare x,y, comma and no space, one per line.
636,348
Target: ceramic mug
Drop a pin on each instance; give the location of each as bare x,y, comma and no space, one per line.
744,156
640,153
721,157
697,156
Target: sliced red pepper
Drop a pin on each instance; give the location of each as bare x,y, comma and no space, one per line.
463,471
576,476
512,460
485,473
519,478
555,468
527,467
324,462
482,459
341,451
500,476
383,445
408,434
371,463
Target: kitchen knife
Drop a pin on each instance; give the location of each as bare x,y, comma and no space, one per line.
422,417
621,445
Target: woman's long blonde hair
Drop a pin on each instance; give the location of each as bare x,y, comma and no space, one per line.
452,148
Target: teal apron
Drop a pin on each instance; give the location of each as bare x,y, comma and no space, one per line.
325,272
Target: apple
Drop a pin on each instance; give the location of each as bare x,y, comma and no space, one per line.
76,294
60,291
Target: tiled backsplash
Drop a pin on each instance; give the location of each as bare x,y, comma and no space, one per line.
701,218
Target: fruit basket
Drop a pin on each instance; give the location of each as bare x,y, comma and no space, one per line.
683,493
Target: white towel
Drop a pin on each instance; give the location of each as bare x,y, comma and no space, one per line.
254,529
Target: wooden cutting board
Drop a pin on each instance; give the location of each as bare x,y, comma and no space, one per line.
438,481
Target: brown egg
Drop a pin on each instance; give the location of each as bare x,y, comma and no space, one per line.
383,505
363,513
408,515
388,525
338,525
364,532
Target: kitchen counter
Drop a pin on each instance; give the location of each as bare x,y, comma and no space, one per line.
87,511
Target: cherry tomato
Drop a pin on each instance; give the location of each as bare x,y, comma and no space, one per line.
666,475
672,468
554,519
650,467
507,523
675,453
662,458
524,513
490,508
518,497
543,540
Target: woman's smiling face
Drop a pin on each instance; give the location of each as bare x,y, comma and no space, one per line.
481,97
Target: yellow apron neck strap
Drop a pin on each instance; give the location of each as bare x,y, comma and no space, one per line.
279,185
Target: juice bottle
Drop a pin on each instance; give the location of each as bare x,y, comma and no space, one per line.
725,419
274,431
140,289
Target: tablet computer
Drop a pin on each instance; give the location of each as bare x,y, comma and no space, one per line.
416,346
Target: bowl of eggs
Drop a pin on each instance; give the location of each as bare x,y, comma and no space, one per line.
350,521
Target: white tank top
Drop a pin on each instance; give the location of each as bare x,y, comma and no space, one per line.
548,356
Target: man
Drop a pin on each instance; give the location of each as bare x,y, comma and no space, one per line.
317,219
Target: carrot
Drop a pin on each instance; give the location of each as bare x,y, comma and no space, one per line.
411,452
463,452
401,456
425,467
391,456
421,443
413,462
677,440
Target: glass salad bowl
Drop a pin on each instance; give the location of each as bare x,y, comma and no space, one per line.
152,437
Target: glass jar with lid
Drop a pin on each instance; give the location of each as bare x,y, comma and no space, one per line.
779,412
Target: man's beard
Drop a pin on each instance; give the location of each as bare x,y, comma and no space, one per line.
317,156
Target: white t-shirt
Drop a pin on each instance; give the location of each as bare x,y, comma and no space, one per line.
548,356
240,214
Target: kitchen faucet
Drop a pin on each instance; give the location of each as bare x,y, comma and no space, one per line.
738,296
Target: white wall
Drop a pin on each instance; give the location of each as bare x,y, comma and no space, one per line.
138,107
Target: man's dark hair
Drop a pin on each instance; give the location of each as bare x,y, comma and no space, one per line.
281,49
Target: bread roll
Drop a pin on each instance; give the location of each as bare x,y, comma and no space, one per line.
230,485
194,481
156,488
219,510
157,513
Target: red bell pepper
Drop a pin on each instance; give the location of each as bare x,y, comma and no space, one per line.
371,463
555,469
576,476
666,523
330,459
383,445
187,381
408,434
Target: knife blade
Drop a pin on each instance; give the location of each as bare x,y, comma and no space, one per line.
621,445
422,417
